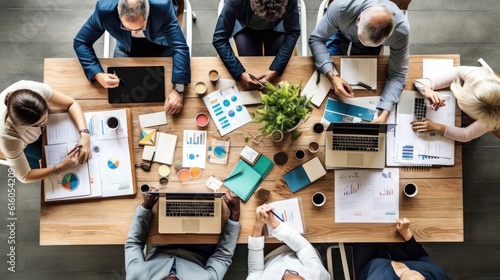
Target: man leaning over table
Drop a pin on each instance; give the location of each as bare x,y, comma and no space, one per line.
172,262
141,28
369,25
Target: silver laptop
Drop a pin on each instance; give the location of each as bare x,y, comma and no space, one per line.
355,145
190,212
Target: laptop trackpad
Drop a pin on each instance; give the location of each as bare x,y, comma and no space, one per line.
190,225
355,159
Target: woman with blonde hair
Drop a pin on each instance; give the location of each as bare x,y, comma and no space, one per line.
477,90
24,113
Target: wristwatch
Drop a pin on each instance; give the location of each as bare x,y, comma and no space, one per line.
179,87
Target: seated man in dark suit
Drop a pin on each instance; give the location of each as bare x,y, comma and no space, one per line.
141,28
183,261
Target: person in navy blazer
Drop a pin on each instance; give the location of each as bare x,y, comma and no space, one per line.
272,24
141,28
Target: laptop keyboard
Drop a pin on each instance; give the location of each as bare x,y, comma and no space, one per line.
355,143
420,109
190,208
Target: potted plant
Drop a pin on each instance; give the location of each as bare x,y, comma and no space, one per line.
282,109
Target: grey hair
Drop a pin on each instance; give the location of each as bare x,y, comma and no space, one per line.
133,9
479,96
375,25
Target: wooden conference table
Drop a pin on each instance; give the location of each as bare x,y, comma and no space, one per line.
436,213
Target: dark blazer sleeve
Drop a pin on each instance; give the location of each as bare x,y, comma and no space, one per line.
164,24
84,41
222,34
292,33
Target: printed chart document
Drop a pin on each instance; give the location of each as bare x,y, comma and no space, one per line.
367,196
359,70
226,109
108,172
194,148
289,211
353,110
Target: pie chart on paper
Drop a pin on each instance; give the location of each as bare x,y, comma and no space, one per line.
70,182
113,163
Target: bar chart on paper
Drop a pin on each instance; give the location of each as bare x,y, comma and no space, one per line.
289,211
194,148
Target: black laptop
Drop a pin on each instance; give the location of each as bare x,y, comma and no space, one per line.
138,84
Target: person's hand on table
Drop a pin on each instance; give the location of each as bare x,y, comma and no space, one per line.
340,86
427,125
84,154
268,217
382,118
268,76
107,80
403,227
233,203
149,200
436,100
248,82
173,102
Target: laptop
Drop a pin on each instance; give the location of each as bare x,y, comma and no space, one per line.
190,212
355,145
141,84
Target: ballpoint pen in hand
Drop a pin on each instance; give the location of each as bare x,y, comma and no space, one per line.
77,146
363,85
277,216
122,82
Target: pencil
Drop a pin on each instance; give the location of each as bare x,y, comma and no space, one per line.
77,146
234,175
277,216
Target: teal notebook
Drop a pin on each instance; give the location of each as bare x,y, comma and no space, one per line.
245,184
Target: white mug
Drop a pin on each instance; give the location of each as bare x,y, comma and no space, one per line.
319,199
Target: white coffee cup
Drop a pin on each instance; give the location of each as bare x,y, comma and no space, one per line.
410,189
318,199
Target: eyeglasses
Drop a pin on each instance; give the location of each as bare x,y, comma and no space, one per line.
134,30
145,166
288,271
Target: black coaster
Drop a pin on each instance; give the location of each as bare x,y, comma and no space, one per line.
318,128
280,158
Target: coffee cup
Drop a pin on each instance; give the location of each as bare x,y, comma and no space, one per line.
410,189
200,88
163,181
213,75
318,128
183,175
145,188
202,120
313,147
300,154
318,199
112,123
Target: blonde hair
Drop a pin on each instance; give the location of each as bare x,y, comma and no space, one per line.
479,96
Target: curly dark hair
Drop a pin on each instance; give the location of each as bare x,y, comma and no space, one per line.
270,10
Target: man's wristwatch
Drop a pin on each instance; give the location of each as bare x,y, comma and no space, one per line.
179,87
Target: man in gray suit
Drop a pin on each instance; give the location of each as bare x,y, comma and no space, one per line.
184,261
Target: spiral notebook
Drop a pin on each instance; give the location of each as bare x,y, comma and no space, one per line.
408,148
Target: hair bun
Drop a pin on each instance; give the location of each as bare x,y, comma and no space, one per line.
7,98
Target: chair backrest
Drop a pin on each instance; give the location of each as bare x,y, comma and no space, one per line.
3,160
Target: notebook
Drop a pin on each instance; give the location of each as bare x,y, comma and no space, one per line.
406,147
305,174
355,145
138,84
199,213
165,148
244,185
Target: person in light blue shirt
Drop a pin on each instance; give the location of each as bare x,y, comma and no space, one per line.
368,25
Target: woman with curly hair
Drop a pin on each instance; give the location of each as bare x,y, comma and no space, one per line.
259,27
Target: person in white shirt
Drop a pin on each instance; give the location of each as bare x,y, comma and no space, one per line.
297,260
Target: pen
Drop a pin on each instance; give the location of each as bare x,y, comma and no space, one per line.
277,216
318,77
256,80
363,85
77,146
234,175
122,82
429,156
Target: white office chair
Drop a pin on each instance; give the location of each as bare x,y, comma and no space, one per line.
184,7
303,25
